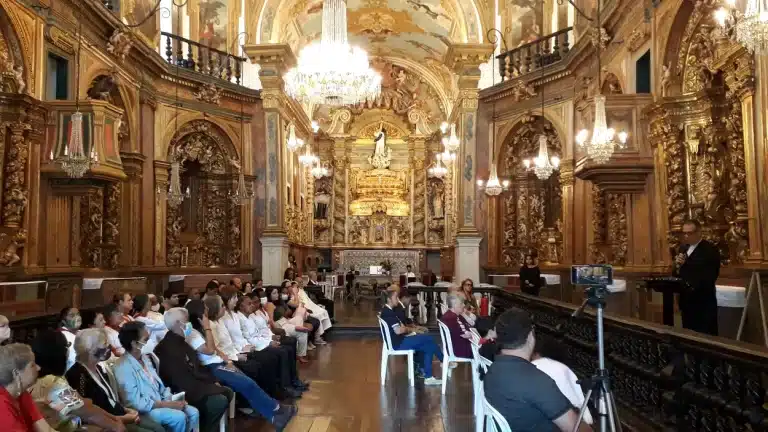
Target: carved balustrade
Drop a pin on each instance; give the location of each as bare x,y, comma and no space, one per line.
535,55
197,57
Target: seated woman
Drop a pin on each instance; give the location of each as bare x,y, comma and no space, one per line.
5,329
113,318
297,313
89,378
299,297
154,312
279,317
461,336
471,309
18,372
403,337
92,319
141,387
61,406
263,370
157,330
69,325
199,335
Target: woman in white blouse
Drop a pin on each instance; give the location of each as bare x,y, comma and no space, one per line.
315,309
262,366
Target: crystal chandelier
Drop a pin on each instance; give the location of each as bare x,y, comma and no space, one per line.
542,165
241,195
307,158
175,196
750,28
331,72
493,187
319,170
600,145
437,169
293,143
451,142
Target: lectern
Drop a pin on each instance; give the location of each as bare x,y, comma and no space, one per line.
668,286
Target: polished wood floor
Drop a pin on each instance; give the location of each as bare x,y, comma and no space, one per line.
363,314
346,395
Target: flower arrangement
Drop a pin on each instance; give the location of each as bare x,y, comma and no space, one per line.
386,265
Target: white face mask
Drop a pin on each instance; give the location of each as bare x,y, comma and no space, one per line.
146,348
263,300
284,297
155,308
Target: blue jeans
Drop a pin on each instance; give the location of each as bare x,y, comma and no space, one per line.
241,383
174,420
426,345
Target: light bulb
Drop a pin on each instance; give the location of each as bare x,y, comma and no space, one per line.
721,16
555,161
527,163
444,127
505,184
623,137
315,126
581,137
479,182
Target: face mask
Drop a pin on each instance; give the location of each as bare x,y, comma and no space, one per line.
5,333
145,348
155,308
284,297
263,300
74,323
188,329
103,354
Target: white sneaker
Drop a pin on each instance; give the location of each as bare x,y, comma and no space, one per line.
319,341
432,381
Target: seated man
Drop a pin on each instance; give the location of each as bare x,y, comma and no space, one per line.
461,336
527,398
320,297
404,337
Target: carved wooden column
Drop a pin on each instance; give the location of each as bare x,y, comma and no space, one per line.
465,60
418,205
149,203
279,111
567,193
339,196
162,174
131,231
760,144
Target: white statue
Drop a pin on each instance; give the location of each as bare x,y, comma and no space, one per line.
382,155
437,202
381,141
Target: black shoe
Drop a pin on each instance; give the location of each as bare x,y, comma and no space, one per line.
292,393
300,385
283,416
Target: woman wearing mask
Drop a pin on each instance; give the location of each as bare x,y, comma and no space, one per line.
91,381
5,329
18,372
92,319
63,408
280,316
69,324
530,276
141,387
302,315
156,329
315,310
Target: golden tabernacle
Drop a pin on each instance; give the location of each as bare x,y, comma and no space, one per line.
380,187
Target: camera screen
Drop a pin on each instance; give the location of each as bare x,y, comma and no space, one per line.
592,274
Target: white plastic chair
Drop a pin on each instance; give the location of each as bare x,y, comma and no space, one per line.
480,363
448,356
495,421
387,350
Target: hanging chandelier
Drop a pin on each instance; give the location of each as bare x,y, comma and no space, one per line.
437,169
542,165
241,195
331,72
307,158
600,145
750,28
451,142
293,143
319,170
175,196
493,187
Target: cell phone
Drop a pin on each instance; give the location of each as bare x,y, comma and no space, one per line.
178,396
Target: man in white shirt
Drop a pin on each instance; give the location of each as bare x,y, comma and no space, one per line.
410,276
565,379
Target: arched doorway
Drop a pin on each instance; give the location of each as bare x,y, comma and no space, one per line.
204,230
531,208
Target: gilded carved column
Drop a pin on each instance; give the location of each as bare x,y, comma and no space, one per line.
419,210
111,227
130,232
567,193
760,146
339,196
15,191
465,60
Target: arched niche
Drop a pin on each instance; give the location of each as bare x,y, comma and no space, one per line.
204,230
14,73
531,208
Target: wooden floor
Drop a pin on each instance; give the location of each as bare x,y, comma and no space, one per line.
346,395
363,314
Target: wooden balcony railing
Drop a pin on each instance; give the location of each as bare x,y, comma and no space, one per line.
535,55
200,58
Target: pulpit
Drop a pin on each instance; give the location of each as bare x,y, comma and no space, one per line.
668,286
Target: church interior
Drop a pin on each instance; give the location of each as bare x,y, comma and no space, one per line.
148,147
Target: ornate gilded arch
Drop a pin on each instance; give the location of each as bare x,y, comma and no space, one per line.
531,208
205,229
14,72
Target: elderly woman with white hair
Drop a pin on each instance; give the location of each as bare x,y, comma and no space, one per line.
89,377
5,329
18,372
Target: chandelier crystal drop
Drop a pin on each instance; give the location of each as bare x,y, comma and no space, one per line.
75,162
293,143
175,196
752,28
542,165
493,187
600,145
331,72
241,196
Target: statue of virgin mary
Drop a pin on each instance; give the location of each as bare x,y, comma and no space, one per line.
382,155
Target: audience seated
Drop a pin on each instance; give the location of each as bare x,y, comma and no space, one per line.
404,337
264,352
527,397
91,381
124,304
170,301
5,329
199,335
69,324
263,371
18,371
298,314
181,370
320,296
564,377
92,319
61,406
154,308
247,288
461,336
488,345
299,297
113,318
194,294
156,329
141,387
280,316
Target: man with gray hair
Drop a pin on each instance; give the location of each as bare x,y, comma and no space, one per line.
459,328
181,370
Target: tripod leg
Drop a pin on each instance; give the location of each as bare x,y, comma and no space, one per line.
613,415
583,409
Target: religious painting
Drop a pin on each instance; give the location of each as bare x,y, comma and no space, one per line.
138,13
213,24
525,22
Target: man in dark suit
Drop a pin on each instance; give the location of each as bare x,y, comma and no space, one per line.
698,264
